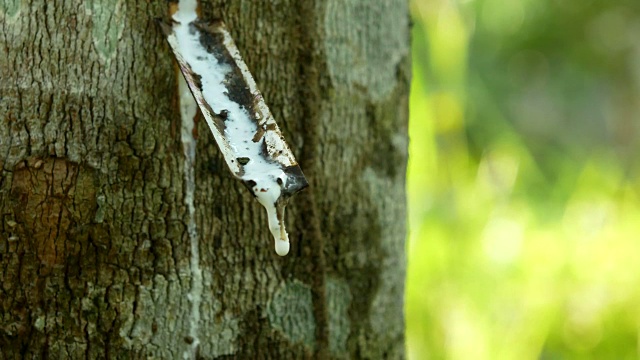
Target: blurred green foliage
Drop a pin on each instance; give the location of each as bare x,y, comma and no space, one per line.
523,180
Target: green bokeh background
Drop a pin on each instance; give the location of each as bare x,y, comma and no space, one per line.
524,196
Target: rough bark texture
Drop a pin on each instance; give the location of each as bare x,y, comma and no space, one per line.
95,258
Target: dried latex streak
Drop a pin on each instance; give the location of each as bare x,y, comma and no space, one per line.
240,121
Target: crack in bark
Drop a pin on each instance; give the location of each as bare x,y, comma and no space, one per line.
310,89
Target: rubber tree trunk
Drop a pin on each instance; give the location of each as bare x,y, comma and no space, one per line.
96,260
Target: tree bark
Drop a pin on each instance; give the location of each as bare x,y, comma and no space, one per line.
96,260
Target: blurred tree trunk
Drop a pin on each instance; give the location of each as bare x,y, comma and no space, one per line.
95,257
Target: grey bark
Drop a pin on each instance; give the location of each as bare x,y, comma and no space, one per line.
95,258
